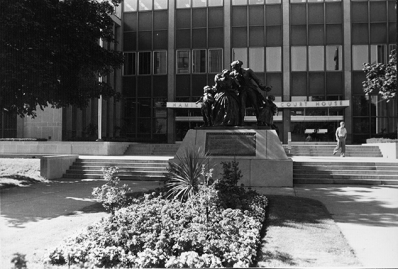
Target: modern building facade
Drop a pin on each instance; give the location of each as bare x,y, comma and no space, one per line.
310,51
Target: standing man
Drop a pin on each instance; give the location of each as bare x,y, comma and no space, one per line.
341,136
249,90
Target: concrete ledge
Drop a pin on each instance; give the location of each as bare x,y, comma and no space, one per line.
46,147
52,167
388,149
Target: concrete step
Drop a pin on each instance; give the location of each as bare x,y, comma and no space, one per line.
152,149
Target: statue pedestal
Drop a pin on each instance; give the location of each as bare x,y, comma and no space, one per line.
259,151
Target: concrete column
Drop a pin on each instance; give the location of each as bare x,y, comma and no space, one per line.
227,34
286,91
347,67
171,90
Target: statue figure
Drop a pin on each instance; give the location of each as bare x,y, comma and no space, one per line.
267,112
249,90
207,100
226,103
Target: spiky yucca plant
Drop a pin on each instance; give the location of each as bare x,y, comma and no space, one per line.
186,174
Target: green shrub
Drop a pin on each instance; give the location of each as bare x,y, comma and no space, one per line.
111,195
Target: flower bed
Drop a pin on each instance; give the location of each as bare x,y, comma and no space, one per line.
157,232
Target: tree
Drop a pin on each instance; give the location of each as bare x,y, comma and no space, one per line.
51,55
382,78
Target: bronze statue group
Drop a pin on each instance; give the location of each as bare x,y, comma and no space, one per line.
224,104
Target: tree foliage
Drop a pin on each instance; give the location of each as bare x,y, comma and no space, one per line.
51,55
382,78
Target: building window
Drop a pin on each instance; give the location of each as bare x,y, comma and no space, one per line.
299,58
160,62
130,5
273,59
240,54
316,58
199,3
359,56
183,62
378,54
215,60
144,63
145,5
129,64
199,61
256,59
334,58
160,4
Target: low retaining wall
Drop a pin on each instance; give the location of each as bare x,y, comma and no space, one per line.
52,167
388,149
46,147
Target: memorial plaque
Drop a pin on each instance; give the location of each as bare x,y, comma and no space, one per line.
231,144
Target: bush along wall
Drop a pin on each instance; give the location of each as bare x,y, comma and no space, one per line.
156,230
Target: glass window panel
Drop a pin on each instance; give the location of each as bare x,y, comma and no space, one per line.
298,1
129,88
334,58
198,3
145,4
378,11
378,33
199,61
145,21
144,125
361,11
182,61
378,54
256,59
299,58
240,54
273,59
198,82
392,11
334,34
317,84
183,3
160,4
316,58
130,5
216,37
360,106
160,62
183,18
256,36
130,22
274,36
216,17
256,16
144,85
315,14
160,86
256,2
199,38
272,1
334,83
183,39
239,37
215,60
215,3
145,40
160,39
273,15
334,12
359,56
316,34
299,85
298,35
239,16
129,41
357,78
360,33
183,86
239,2
274,80
199,17
129,64
161,20
144,63
298,14
392,33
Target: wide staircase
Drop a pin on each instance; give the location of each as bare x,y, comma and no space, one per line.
139,169
327,150
345,172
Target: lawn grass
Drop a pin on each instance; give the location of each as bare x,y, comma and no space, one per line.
299,232
19,172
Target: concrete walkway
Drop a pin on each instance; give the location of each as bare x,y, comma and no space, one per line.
366,215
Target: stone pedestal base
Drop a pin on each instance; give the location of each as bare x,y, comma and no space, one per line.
260,154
